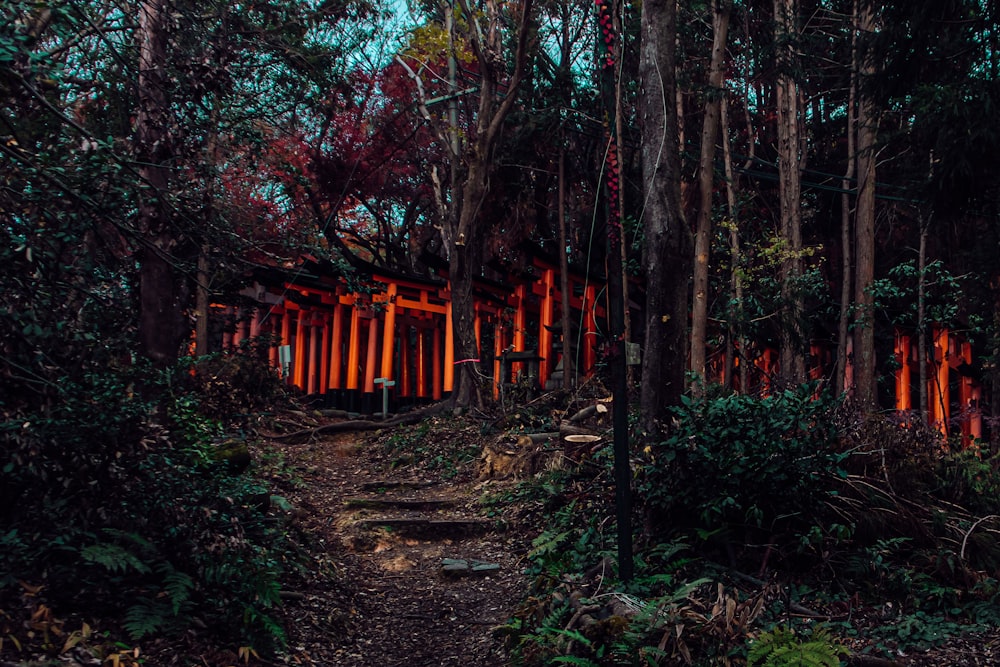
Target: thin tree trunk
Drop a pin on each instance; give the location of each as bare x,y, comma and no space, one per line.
735,343
843,322
864,325
667,258
619,65
792,361
706,183
922,321
466,238
160,327
569,364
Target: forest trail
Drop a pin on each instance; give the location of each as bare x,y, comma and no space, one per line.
423,575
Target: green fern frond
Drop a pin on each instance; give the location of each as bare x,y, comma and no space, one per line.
574,660
782,647
177,586
114,558
145,618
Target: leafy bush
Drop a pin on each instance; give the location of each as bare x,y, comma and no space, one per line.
741,461
141,521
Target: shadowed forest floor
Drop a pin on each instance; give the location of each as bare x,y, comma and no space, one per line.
384,519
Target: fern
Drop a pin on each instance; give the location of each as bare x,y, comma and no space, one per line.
573,660
114,558
146,617
782,647
177,586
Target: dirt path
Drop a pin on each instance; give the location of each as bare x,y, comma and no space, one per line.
388,524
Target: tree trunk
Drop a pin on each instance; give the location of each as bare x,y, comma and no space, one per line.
864,324
667,258
160,325
464,237
792,361
706,183
922,323
569,363
843,323
735,341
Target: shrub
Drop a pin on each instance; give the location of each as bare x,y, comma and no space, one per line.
741,461
118,515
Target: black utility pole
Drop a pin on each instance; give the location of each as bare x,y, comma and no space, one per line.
616,302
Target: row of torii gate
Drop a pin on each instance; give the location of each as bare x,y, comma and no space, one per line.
349,346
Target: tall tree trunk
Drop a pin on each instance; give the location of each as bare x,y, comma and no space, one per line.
619,69
843,322
792,361
706,186
864,324
735,340
922,405
160,325
667,259
569,363
464,237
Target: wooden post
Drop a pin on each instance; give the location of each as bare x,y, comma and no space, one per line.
937,391
405,386
389,332
227,335
372,359
299,358
336,346
354,348
765,362
976,412
274,328
520,325
437,371
255,322
238,324
498,347
589,330
904,402
967,400
312,377
449,350
323,378
477,325
421,363
546,320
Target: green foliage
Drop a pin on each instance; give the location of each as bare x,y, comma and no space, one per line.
140,520
783,647
741,461
896,295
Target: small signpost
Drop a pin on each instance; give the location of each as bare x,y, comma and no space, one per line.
285,360
386,383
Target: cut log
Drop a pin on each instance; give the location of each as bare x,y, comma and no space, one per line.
589,411
536,438
567,429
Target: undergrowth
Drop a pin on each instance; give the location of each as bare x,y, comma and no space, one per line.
875,526
123,500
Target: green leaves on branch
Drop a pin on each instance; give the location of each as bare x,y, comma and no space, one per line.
744,462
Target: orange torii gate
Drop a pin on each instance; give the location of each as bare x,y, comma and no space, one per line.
345,347
947,363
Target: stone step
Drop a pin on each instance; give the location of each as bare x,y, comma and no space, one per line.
431,528
387,485
386,503
463,567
